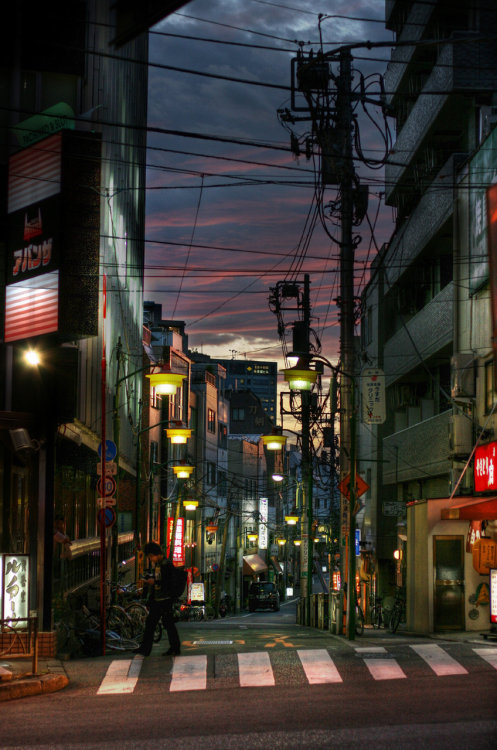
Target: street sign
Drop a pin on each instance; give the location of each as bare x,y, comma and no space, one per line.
373,396
110,450
108,516
360,486
106,502
106,487
110,468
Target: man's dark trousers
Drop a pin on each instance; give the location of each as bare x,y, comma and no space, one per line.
157,610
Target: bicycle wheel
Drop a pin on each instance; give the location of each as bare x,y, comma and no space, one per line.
119,621
114,642
138,614
395,619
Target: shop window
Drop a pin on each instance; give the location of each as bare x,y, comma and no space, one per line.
211,421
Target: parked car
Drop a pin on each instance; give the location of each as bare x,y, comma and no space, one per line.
263,595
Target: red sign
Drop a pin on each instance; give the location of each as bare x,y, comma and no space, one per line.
360,486
178,548
106,488
485,469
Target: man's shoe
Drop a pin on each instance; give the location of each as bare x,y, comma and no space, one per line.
172,652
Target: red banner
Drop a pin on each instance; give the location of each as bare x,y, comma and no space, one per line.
178,548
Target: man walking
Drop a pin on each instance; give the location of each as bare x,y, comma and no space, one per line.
162,597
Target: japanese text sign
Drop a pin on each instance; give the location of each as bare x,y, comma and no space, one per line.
485,470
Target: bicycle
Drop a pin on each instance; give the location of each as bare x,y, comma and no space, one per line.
379,616
398,611
86,640
137,611
359,619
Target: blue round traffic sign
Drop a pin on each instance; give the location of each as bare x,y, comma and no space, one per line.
110,450
107,516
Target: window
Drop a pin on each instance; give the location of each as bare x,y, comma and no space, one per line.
238,414
211,473
222,436
211,421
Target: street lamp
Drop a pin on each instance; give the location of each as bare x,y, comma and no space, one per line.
182,471
300,377
178,434
166,382
190,504
275,441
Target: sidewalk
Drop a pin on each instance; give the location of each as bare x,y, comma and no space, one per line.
456,636
17,680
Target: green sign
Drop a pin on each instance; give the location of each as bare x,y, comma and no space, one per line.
45,123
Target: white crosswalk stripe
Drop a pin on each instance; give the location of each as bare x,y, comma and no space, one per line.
382,668
255,669
489,654
121,677
439,660
318,666
189,673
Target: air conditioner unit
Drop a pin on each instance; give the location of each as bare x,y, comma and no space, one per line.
462,375
21,440
460,434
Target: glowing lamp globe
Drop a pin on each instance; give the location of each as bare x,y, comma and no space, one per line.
178,435
166,382
291,520
190,504
276,477
252,537
281,542
297,542
299,379
274,442
182,471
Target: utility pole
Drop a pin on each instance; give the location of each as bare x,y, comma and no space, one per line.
347,358
306,554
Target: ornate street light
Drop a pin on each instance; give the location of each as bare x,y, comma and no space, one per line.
300,378
190,504
275,441
166,382
291,520
178,434
183,471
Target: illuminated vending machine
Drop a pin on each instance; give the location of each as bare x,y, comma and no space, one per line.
14,588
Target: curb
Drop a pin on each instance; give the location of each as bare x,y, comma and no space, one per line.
35,685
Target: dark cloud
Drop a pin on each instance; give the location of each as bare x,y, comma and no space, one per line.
196,199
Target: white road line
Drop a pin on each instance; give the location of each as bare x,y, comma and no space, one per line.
189,673
489,654
121,677
318,666
382,669
439,660
255,669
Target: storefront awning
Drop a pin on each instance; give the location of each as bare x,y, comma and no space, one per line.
276,565
253,564
471,509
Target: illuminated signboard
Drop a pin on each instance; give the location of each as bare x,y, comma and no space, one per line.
52,272
493,596
263,516
178,549
485,469
14,588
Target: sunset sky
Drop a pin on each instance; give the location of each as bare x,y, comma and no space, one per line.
228,211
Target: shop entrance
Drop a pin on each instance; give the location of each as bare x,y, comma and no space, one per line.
448,568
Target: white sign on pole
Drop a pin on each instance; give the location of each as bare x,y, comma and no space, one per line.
263,516
373,396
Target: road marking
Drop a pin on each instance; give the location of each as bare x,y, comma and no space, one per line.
318,666
189,673
255,669
489,654
439,660
121,677
382,669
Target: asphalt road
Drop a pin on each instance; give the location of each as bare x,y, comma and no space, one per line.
409,705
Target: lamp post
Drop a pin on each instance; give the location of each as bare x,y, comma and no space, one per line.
165,382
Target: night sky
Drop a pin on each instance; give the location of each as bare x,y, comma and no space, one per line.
228,212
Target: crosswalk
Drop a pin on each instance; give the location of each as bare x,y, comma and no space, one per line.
258,669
